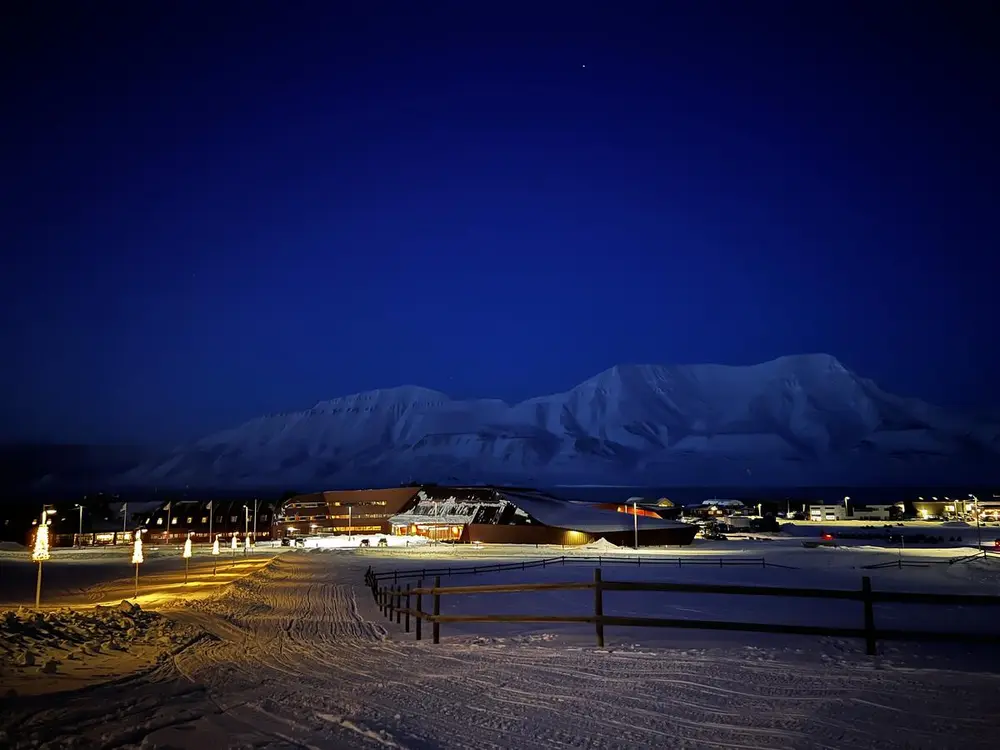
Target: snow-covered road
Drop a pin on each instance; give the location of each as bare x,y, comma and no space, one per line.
302,659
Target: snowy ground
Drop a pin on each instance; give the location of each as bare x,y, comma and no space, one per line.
298,656
50,651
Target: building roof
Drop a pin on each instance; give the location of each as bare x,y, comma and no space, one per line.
580,516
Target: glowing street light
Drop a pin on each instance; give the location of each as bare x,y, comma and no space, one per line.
215,555
137,558
187,556
40,550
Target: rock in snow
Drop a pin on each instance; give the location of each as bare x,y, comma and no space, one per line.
798,420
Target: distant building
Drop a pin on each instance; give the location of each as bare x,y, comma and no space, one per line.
827,512
197,517
343,511
875,512
476,514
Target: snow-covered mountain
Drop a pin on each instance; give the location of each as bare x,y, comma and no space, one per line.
796,420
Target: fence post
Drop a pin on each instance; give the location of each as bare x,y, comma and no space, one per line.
406,619
436,626
399,602
420,609
866,592
598,608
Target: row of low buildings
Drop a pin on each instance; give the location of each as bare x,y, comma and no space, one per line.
172,521
447,514
442,513
479,514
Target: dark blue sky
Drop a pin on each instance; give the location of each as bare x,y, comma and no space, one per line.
209,216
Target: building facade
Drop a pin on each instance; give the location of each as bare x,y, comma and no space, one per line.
475,514
342,512
827,512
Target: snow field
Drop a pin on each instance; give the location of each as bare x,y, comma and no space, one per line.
300,657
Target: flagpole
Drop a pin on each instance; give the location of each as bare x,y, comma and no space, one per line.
255,521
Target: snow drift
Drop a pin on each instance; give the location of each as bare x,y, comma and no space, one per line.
795,420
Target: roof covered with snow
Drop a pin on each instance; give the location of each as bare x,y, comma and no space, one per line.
580,516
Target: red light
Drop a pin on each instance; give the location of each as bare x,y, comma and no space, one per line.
827,537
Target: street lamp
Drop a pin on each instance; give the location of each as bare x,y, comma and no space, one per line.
350,523
79,536
846,509
40,552
979,531
635,517
255,521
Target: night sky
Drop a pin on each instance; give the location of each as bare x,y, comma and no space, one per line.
211,216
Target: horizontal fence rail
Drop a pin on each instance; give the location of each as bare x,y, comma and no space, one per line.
396,601
601,560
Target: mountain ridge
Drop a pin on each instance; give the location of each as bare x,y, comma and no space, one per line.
788,420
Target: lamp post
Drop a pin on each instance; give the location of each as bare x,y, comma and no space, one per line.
40,551
79,535
350,523
137,558
635,522
979,531
246,528
846,509
187,556
255,521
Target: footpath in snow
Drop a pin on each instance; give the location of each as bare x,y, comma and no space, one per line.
298,656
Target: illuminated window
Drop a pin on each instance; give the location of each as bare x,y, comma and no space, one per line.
190,520
174,520
234,519
159,521
204,519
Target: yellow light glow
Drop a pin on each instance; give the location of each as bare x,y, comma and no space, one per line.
137,548
187,547
40,551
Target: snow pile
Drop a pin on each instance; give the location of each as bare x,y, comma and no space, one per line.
12,547
956,524
601,544
33,644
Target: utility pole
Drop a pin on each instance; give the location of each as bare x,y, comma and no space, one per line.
79,534
125,517
255,520
979,531
246,525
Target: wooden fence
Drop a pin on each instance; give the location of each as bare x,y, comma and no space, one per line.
398,602
638,560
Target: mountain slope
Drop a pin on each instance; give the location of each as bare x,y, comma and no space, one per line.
798,419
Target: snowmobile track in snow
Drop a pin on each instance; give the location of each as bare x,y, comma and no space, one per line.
299,658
